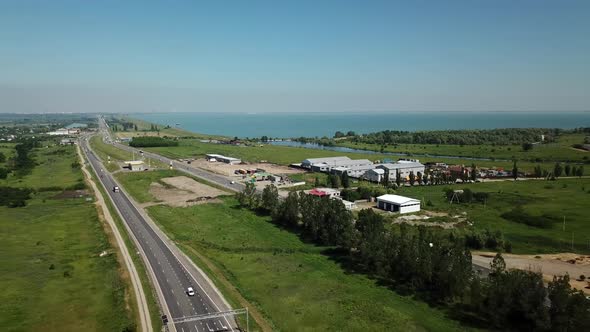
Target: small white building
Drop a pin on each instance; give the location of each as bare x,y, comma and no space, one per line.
348,204
135,165
396,203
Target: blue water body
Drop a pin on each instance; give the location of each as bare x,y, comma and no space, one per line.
287,125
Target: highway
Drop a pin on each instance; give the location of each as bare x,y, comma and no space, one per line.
173,273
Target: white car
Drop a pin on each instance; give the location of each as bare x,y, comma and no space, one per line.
232,182
190,291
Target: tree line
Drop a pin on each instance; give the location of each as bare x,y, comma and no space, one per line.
151,141
432,264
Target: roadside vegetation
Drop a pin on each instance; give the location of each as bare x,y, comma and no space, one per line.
52,274
293,282
434,265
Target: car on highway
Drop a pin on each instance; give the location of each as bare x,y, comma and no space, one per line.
190,291
232,182
116,189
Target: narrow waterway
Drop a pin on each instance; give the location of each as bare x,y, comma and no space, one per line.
316,146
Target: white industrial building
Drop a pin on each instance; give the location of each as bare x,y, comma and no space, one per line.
352,171
227,160
396,203
375,175
327,164
308,163
401,168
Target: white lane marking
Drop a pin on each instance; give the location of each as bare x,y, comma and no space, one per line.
222,326
210,329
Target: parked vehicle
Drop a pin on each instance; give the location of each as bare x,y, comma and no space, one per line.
190,291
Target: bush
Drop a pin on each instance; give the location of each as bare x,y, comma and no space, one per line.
520,216
77,186
140,142
14,197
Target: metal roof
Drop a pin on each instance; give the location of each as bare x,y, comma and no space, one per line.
325,160
396,199
401,165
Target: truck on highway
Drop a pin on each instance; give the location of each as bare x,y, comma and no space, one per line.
116,189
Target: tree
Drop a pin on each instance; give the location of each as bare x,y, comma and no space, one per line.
345,180
288,210
419,177
4,172
557,170
248,197
264,139
473,172
412,178
2,157
515,171
538,171
370,226
334,181
527,146
580,171
338,134
398,178
350,133
498,265
135,127
270,198
567,169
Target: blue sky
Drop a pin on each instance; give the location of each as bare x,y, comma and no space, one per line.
279,56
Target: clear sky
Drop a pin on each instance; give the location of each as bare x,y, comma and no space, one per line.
281,56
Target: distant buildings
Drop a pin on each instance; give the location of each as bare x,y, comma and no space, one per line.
64,132
135,165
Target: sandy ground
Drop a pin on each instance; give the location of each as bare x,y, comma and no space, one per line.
228,170
550,265
183,191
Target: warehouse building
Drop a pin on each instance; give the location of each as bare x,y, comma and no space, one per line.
224,159
396,203
401,168
327,164
375,175
352,171
331,161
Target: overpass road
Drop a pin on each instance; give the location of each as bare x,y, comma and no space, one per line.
172,270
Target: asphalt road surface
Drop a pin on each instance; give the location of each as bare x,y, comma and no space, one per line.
173,277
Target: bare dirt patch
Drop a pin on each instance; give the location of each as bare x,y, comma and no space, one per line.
181,191
229,170
549,264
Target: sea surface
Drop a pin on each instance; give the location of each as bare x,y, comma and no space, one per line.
289,125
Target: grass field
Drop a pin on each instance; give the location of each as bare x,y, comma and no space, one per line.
564,197
51,275
287,155
54,165
292,282
559,151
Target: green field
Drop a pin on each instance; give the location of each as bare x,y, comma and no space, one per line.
144,129
558,151
564,197
54,168
287,155
292,282
51,275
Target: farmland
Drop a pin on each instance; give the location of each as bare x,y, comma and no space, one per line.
52,275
